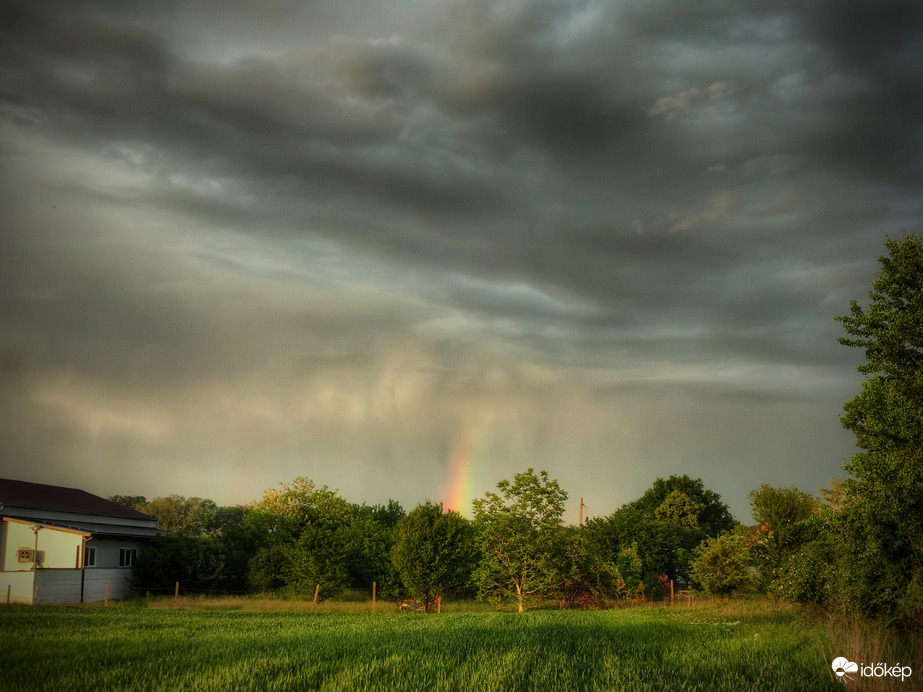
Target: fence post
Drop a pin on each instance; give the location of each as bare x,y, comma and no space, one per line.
8,587
106,602
373,596
35,596
438,604
671,592
176,596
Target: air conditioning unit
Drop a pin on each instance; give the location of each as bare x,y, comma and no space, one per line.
26,555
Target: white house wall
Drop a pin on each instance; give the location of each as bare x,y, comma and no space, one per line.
59,549
18,586
18,536
55,548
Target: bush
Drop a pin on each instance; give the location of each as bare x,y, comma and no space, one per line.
722,565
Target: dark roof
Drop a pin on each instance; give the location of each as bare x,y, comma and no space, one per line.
54,497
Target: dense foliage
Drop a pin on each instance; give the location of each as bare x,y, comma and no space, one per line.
882,524
781,516
863,551
722,564
664,526
433,552
520,535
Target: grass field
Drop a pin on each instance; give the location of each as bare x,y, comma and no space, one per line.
237,645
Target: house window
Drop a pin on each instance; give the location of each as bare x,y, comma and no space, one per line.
89,556
127,556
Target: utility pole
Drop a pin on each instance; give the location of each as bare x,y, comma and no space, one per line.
581,511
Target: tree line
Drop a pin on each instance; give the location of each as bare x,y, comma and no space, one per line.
858,547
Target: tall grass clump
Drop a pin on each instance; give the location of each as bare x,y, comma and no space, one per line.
870,642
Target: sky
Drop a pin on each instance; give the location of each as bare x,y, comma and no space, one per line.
408,249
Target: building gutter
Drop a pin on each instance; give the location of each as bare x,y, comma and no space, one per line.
83,565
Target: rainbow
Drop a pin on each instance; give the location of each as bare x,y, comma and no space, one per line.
458,492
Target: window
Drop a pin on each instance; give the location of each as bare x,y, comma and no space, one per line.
89,556
127,556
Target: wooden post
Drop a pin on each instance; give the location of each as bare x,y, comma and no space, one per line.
671,592
35,596
8,587
316,593
106,601
176,596
438,604
581,511
374,585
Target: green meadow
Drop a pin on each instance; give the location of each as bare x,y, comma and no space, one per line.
228,645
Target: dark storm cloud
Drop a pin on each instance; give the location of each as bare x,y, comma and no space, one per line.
535,87
291,225
874,49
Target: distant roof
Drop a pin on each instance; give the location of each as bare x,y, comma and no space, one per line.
54,497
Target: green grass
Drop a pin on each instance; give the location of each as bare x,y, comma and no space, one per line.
227,646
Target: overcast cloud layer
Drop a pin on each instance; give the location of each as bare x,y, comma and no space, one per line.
241,242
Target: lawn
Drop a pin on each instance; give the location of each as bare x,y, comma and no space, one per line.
221,647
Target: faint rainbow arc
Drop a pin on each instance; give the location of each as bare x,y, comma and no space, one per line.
458,492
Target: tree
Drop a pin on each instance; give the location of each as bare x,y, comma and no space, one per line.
781,515
433,552
722,564
319,554
680,509
306,536
834,496
630,570
781,507
280,514
371,538
193,516
196,562
519,534
587,578
810,571
883,517
136,502
666,524
712,516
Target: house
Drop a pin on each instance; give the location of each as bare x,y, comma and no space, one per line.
64,545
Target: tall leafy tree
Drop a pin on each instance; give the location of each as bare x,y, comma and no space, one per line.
372,536
883,517
305,535
190,516
433,552
319,556
711,515
519,535
587,577
665,524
